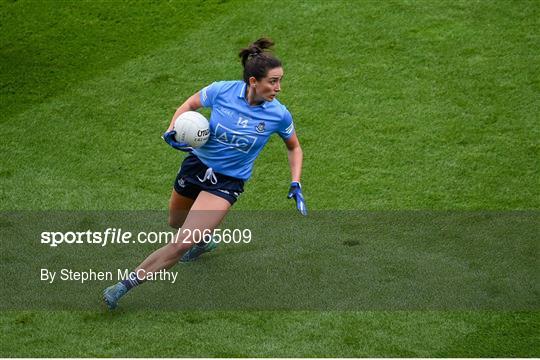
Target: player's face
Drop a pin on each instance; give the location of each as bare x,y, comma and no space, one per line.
268,87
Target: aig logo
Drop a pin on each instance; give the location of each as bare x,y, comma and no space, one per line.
240,142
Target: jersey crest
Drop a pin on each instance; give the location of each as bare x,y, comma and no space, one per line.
260,127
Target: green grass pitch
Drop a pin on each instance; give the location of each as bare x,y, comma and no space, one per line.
399,105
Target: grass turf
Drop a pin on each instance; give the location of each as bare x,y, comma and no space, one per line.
399,105
278,334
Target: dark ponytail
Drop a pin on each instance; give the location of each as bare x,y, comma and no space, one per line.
257,59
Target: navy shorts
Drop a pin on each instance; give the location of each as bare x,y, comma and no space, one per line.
195,177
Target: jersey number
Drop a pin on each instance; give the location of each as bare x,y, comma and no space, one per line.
242,122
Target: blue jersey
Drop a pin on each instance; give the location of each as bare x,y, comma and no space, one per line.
239,131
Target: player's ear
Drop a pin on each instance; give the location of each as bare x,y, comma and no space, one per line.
252,82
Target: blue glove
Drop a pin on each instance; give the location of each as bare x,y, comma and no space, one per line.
168,136
296,192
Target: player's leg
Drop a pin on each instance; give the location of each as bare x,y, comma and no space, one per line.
196,250
209,244
206,214
179,206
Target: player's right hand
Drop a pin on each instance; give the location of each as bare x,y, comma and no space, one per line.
169,138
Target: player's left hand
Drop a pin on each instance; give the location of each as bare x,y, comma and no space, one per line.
295,192
169,139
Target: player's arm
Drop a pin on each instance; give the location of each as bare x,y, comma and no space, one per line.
295,155
191,104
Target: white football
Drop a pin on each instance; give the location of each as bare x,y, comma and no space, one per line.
192,127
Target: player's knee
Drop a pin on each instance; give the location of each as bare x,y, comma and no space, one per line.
176,220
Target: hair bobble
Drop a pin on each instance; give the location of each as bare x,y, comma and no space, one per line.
255,51
257,59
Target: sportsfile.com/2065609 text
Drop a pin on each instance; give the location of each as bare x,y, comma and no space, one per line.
118,236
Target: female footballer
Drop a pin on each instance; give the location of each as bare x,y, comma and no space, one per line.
244,115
